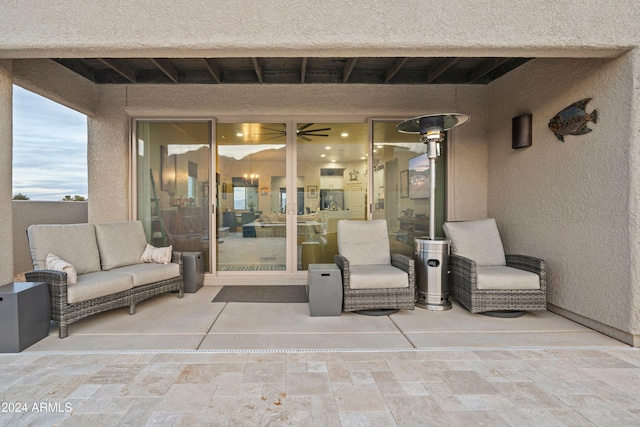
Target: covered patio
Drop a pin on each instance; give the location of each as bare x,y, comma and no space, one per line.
191,361
197,324
194,362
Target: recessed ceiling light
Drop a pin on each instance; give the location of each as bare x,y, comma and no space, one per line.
333,161
239,134
327,148
323,155
362,158
344,134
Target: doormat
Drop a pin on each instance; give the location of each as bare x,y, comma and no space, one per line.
254,267
269,294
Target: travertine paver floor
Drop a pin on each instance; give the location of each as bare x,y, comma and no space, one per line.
556,387
192,362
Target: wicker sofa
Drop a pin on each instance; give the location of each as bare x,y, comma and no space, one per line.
106,257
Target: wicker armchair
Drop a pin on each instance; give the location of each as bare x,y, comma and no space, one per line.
372,278
483,279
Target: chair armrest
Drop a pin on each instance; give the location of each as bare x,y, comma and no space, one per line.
531,264
341,262
463,270
406,264
176,257
52,277
343,265
57,283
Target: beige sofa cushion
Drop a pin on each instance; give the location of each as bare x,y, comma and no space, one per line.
506,278
377,277
477,240
120,243
364,242
74,243
143,274
98,284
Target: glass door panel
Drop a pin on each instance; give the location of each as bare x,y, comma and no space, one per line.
173,167
331,185
401,185
250,178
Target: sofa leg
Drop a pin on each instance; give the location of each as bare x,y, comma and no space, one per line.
181,294
132,309
63,330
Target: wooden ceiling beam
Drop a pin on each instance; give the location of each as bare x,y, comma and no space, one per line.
439,67
213,69
120,67
167,67
348,69
303,70
258,68
393,70
485,67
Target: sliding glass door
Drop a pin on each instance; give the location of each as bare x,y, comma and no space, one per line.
251,179
332,178
400,185
278,188
173,183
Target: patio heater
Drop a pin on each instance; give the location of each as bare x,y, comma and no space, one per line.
432,253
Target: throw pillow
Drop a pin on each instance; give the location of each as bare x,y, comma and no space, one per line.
157,255
54,262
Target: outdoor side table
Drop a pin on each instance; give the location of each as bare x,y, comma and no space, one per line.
25,315
193,271
324,283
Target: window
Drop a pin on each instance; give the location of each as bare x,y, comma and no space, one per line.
245,196
48,136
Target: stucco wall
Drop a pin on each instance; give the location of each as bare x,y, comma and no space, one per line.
57,83
108,157
569,203
110,28
6,131
27,212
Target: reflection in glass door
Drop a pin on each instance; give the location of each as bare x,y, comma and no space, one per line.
332,171
173,164
251,197
400,185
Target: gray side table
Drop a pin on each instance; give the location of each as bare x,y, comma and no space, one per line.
193,271
324,283
25,315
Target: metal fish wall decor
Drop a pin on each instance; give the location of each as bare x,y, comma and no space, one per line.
573,120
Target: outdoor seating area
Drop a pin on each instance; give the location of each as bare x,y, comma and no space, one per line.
91,268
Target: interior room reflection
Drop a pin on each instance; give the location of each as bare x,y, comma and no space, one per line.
250,189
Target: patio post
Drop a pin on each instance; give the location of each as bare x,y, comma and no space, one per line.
6,148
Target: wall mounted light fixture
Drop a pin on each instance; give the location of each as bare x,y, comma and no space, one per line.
521,131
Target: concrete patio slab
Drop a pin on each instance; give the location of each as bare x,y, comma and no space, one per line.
306,341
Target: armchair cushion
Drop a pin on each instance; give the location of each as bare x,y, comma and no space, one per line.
506,278
377,277
478,240
364,242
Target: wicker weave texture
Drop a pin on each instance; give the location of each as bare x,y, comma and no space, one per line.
386,298
64,313
463,286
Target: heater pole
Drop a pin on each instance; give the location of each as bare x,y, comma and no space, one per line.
432,197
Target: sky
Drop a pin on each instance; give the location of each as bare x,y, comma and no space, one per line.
49,148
